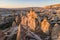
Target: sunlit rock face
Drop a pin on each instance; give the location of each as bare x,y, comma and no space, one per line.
55,34
21,33
33,14
31,20
45,25
24,20
31,24
18,33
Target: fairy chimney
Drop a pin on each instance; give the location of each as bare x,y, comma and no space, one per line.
24,20
31,20
45,25
33,14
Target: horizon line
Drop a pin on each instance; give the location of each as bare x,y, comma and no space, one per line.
28,7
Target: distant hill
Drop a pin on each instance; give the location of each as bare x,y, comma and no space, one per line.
53,6
56,5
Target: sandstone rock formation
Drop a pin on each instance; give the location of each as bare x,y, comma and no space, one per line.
45,25
31,19
24,20
19,33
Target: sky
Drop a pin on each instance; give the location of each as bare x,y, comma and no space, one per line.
26,3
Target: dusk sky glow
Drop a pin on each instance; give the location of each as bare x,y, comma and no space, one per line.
26,3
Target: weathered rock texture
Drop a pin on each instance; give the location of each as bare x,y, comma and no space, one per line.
55,34
45,26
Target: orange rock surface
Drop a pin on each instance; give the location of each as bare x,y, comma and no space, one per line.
31,19
45,25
